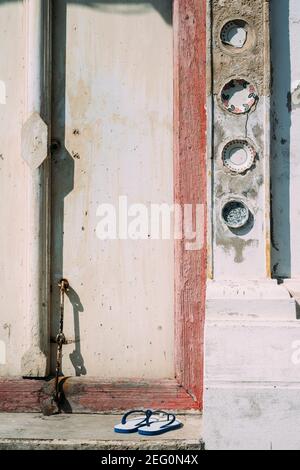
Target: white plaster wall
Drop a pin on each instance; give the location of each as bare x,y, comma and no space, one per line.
252,361
285,33
295,138
12,189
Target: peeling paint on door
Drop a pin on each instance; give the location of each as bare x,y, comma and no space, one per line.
114,131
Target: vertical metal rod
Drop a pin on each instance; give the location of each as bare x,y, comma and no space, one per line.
37,113
60,339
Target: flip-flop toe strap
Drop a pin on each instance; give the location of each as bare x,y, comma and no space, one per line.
160,412
147,414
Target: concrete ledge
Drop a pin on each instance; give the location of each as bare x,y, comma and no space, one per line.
15,444
250,301
251,333
90,432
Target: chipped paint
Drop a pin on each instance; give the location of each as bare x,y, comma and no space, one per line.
2,92
2,353
34,141
294,100
243,254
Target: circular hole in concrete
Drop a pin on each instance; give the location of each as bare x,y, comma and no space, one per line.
234,34
238,156
238,96
235,214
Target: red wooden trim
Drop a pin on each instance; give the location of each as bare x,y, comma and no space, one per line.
190,187
83,395
21,396
95,396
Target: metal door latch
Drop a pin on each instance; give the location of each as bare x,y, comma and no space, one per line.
60,338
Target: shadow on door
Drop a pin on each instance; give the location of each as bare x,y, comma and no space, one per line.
63,163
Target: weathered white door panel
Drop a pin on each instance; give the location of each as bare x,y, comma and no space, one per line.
112,118
13,178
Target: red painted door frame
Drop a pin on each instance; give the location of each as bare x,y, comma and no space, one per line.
190,188
186,390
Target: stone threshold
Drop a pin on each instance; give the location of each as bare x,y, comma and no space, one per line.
29,431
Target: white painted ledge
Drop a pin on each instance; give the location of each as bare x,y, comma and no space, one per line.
249,301
293,287
251,329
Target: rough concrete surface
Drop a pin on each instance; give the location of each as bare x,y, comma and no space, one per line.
250,60
90,432
252,416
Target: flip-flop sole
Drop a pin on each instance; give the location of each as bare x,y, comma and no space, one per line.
131,426
123,431
156,432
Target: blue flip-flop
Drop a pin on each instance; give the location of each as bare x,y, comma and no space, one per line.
128,426
167,422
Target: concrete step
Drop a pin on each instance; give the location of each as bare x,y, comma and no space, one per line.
29,431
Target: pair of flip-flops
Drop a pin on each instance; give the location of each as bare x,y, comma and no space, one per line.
148,423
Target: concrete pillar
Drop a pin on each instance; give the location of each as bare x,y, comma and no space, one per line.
240,196
251,320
